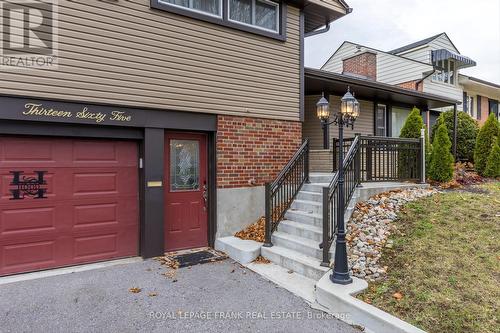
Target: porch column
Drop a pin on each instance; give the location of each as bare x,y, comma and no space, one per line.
455,130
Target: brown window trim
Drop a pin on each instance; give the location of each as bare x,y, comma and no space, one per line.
224,21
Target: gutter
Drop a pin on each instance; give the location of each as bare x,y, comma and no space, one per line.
348,10
319,31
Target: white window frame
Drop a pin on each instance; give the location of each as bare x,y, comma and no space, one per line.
253,25
384,108
438,75
163,2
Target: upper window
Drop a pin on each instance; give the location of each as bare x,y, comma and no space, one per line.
210,7
445,72
262,17
259,13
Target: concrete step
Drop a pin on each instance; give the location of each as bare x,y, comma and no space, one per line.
307,206
310,196
301,229
300,244
314,187
320,177
304,217
295,261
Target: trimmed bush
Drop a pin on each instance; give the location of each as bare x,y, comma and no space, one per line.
407,160
412,125
467,130
484,143
493,162
441,165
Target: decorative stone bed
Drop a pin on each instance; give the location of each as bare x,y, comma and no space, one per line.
371,225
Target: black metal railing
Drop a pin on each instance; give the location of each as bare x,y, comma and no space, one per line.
346,145
332,199
280,194
390,159
368,158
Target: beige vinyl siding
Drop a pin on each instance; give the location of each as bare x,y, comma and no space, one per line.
393,70
312,126
442,42
445,90
390,69
126,53
422,54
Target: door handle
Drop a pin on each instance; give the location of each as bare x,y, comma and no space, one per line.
205,195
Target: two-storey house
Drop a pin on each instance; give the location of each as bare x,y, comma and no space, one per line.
152,127
431,65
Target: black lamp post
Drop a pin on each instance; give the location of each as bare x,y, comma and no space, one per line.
349,111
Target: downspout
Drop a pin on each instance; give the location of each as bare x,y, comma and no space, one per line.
422,79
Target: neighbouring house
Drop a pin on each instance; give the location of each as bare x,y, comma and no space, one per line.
480,97
161,123
431,65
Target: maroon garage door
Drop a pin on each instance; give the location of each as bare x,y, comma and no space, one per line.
90,209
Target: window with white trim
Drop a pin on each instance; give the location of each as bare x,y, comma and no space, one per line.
381,120
261,14
210,7
445,72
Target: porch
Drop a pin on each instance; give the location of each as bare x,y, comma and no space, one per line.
383,111
308,202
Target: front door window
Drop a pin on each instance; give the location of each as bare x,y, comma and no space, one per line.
184,165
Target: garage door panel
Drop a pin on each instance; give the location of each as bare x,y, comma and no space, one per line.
28,256
95,247
92,215
27,221
95,183
27,152
91,210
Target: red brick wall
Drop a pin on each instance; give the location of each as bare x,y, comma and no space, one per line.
411,85
485,110
364,64
253,148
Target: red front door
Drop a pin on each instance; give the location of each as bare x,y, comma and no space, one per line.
186,191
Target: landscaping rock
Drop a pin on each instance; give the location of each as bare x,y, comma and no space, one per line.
370,226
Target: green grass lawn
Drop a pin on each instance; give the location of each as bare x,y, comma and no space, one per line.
445,262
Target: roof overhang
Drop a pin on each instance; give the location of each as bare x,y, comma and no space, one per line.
318,81
318,13
462,61
475,85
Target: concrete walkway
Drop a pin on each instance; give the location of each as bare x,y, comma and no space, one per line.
215,297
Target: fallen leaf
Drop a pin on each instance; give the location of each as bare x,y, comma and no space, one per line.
397,295
152,294
135,290
261,260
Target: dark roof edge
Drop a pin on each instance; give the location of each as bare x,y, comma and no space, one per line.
377,85
420,43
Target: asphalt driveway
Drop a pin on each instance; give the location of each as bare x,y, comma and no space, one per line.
214,297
